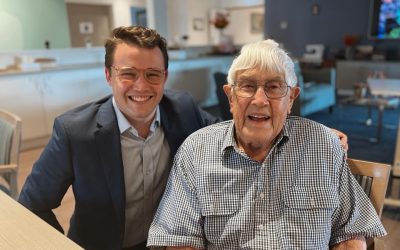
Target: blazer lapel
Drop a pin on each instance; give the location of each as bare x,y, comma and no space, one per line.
173,131
109,150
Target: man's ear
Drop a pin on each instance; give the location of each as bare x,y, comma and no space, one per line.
166,76
228,92
294,93
107,72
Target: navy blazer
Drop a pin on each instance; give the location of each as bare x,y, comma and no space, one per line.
85,151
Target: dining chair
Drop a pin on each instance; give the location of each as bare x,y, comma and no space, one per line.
373,177
10,140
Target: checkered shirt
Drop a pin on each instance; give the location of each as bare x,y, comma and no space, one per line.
302,196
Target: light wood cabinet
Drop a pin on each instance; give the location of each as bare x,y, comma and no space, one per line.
97,85
24,97
63,92
39,97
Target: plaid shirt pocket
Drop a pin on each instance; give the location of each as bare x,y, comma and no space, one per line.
307,217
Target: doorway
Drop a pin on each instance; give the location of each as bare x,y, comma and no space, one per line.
138,16
89,25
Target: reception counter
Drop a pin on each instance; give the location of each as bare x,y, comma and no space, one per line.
21,229
39,96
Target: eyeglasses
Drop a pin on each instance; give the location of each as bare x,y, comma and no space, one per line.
131,74
273,89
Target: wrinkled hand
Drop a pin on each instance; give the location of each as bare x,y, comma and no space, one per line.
343,139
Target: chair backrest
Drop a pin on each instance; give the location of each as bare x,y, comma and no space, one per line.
223,103
373,178
10,141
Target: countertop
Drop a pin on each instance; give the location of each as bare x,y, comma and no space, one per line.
12,72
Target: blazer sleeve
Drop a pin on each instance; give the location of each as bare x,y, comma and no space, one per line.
50,178
207,118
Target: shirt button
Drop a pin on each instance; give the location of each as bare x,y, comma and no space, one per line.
260,227
262,195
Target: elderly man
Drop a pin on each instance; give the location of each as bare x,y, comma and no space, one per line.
265,180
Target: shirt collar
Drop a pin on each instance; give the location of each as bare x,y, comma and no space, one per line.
124,124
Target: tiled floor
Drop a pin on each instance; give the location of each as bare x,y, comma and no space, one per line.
390,218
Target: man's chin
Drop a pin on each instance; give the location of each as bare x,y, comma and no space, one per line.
256,140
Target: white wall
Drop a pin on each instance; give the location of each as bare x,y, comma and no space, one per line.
157,16
181,15
174,18
236,3
240,24
120,9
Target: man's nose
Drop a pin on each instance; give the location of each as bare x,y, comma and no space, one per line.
140,80
260,96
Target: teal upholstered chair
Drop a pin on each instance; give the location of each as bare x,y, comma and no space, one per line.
10,138
317,90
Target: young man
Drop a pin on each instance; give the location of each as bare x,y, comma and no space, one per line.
264,180
116,152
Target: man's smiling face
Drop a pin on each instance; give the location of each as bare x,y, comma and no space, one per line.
259,119
137,100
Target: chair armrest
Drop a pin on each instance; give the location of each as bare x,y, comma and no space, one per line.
7,168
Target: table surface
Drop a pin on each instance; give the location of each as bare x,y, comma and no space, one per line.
21,229
371,101
384,87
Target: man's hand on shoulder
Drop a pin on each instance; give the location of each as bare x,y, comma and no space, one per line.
343,138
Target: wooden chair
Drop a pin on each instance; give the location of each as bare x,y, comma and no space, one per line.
373,178
10,140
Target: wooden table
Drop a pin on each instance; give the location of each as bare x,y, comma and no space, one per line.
21,229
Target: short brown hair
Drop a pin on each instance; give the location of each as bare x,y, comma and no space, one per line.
135,35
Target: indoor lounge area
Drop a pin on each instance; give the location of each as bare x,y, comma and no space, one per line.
346,58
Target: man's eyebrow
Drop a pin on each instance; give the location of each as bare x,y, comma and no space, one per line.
280,78
253,78
246,78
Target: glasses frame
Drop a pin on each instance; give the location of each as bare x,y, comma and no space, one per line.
142,72
235,86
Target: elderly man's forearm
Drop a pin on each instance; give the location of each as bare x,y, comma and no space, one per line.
357,243
181,248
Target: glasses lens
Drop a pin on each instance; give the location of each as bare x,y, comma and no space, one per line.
130,74
275,89
154,76
272,89
245,88
127,75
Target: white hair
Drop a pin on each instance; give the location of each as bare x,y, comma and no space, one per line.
266,56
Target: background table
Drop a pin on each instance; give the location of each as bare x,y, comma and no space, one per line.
21,229
380,103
